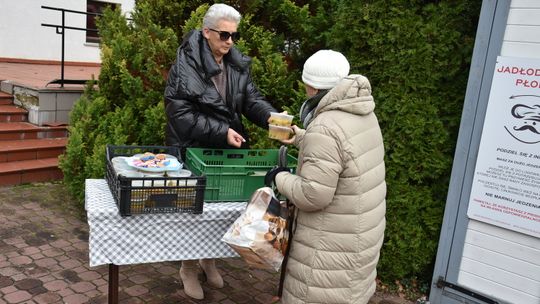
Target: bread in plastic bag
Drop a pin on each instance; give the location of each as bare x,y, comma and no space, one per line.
260,234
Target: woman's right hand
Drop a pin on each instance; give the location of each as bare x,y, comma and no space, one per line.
291,140
234,139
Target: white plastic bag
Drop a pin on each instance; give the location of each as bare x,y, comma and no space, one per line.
260,234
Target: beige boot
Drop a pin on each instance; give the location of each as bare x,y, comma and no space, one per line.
189,273
211,272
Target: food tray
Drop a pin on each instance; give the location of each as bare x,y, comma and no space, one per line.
144,195
233,174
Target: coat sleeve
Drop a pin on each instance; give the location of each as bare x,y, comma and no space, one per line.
184,115
318,173
255,107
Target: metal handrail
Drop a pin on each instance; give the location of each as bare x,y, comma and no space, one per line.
60,29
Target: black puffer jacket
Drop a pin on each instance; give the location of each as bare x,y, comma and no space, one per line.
197,115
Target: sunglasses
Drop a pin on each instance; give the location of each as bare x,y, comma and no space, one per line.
224,36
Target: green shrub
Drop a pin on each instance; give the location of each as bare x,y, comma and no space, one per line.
417,58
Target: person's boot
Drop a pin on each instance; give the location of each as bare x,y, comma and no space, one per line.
189,273
212,275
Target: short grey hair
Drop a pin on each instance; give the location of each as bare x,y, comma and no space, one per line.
220,11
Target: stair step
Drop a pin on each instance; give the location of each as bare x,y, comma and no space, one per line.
24,130
12,113
6,99
17,150
28,171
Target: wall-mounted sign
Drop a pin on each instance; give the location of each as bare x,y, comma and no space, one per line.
506,185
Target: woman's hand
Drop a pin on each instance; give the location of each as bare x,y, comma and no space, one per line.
234,139
291,140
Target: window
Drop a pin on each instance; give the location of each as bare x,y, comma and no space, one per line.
94,6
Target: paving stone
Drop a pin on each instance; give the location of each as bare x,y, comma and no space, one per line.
45,246
60,244
265,298
5,281
12,254
29,250
37,291
89,275
214,295
46,262
9,271
68,248
46,278
56,285
240,297
92,293
20,245
53,252
76,299
47,298
104,288
21,260
65,292
61,258
139,278
168,270
99,282
18,296
19,276
70,275
102,299
12,241
37,256
27,284
82,287
136,290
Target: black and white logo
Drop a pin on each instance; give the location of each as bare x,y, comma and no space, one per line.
525,123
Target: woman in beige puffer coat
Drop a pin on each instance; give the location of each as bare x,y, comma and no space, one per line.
339,190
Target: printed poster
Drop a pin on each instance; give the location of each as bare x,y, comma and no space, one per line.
506,186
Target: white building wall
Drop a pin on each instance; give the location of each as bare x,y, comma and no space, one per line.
23,37
503,264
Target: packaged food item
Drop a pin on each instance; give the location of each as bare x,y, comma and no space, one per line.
277,132
119,163
260,234
280,119
179,173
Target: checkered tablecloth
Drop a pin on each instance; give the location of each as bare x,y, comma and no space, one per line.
152,238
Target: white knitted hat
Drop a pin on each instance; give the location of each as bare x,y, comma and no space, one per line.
325,69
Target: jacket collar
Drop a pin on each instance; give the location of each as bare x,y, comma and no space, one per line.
195,43
308,107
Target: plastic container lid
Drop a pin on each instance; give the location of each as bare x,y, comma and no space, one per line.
280,119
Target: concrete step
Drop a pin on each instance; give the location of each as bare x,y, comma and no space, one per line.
24,130
5,98
29,171
17,150
12,113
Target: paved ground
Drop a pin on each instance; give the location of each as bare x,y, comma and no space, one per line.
44,259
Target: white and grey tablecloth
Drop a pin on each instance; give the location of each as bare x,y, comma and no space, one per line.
149,238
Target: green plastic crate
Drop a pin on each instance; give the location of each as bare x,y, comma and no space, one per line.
233,174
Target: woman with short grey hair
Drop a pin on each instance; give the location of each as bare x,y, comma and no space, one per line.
219,12
208,90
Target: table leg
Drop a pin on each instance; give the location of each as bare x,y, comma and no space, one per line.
113,284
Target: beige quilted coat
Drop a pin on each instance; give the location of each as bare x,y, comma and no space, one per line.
340,192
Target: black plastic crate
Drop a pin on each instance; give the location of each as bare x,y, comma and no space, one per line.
143,195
